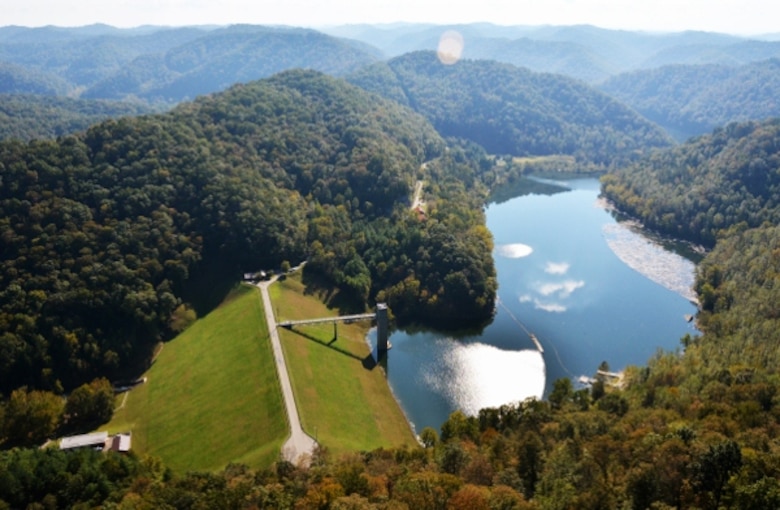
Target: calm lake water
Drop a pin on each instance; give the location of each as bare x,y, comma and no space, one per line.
588,288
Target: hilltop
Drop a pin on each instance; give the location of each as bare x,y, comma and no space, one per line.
588,53
704,187
509,110
691,100
104,231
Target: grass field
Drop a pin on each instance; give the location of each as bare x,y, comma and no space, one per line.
212,396
343,400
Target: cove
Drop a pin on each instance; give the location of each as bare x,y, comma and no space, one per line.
573,281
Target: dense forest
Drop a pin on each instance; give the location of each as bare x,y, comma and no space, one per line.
687,82
103,231
689,100
77,58
696,428
690,430
106,232
700,189
508,110
163,64
28,116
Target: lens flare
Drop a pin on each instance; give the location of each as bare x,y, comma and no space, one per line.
450,47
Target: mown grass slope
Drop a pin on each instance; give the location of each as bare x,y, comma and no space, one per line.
343,397
212,395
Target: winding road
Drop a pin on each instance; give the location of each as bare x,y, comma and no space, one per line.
417,198
299,446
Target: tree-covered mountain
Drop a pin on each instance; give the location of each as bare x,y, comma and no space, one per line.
102,230
520,46
27,116
704,187
227,56
15,79
690,100
559,57
509,110
581,51
721,190
166,64
84,56
177,63
738,52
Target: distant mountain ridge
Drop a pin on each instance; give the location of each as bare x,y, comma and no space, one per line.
582,51
690,100
83,59
510,110
167,65
170,64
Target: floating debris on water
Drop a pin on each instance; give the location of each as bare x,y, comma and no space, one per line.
649,258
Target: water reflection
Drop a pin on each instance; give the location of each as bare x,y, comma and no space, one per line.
525,186
566,303
434,374
514,251
473,376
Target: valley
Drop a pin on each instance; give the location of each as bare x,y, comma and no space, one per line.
144,171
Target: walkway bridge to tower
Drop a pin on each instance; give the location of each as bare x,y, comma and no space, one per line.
380,315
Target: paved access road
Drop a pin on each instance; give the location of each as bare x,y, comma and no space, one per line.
300,445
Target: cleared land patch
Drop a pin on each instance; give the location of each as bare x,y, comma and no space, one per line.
343,398
212,396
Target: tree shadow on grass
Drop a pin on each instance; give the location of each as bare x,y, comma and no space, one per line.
368,362
207,287
333,297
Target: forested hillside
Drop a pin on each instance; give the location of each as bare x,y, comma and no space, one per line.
585,52
105,232
15,79
700,189
102,231
693,429
27,116
509,110
83,56
689,100
161,64
696,429
738,286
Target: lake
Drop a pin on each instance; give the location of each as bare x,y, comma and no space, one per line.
587,287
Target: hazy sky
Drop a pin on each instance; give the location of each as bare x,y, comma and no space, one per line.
731,16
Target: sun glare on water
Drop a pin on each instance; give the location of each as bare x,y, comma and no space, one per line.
477,375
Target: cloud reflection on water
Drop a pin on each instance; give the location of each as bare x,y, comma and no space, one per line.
557,267
562,290
550,307
514,251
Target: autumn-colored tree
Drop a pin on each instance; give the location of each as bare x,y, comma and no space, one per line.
89,406
31,417
470,497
